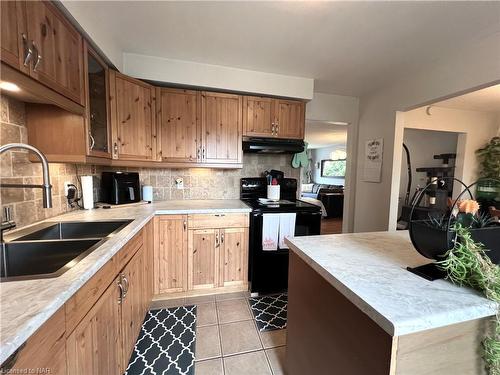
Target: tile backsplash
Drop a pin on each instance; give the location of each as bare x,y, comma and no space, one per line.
199,183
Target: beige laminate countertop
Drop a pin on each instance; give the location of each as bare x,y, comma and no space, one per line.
26,305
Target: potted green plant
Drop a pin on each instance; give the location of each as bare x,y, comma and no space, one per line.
467,264
488,188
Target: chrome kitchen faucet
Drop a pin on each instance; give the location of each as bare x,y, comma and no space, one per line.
46,186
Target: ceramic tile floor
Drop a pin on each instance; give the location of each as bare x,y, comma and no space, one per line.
227,339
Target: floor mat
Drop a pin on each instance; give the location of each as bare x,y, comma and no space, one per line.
166,344
269,311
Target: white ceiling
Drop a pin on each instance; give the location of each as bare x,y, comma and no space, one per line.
322,134
349,48
484,100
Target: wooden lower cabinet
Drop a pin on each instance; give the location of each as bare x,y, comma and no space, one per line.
217,258
44,350
233,257
203,255
170,254
198,252
95,346
132,305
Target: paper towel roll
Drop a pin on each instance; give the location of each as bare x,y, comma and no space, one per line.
273,192
147,193
87,192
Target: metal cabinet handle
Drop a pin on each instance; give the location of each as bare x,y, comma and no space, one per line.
272,128
92,141
217,244
126,285
28,51
122,291
198,154
203,154
222,237
38,56
115,148
11,361
219,215
184,225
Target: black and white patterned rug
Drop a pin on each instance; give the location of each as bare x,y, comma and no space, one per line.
269,311
166,344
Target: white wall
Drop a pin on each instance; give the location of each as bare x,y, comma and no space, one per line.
216,76
329,107
322,153
475,66
423,145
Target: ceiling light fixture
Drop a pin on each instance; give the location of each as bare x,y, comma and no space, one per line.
9,86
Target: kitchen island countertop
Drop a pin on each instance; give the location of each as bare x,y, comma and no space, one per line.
369,269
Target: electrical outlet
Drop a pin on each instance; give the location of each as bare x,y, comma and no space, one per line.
66,187
179,183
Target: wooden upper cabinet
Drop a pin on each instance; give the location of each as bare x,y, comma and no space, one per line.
273,118
97,118
178,125
258,116
221,128
95,347
14,36
57,50
170,254
290,120
132,118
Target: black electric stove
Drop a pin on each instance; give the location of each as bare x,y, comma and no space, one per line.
268,270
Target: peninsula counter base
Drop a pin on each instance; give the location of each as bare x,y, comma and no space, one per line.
328,334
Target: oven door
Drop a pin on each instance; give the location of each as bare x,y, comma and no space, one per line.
268,270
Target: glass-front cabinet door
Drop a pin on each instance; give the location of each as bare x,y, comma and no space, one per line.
98,123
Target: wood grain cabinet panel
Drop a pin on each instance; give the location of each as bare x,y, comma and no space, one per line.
95,345
132,306
233,257
258,116
13,28
46,349
290,120
178,125
57,50
203,258
170,255
132,114
222,128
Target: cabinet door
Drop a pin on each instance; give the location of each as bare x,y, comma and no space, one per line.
46,349
290,120
170,258
132,118
97,108
178,126
233,257
258,116
95,347
132,279
58,51
14,37
203,258
221,128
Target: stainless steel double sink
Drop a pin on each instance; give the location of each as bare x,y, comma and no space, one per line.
51,248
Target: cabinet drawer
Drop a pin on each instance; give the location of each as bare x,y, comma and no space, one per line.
128,251
222,220
45,349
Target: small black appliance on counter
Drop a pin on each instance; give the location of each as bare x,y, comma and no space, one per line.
120,187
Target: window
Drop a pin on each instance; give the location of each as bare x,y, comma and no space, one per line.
333,168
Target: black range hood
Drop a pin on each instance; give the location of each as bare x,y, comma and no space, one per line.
272,145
